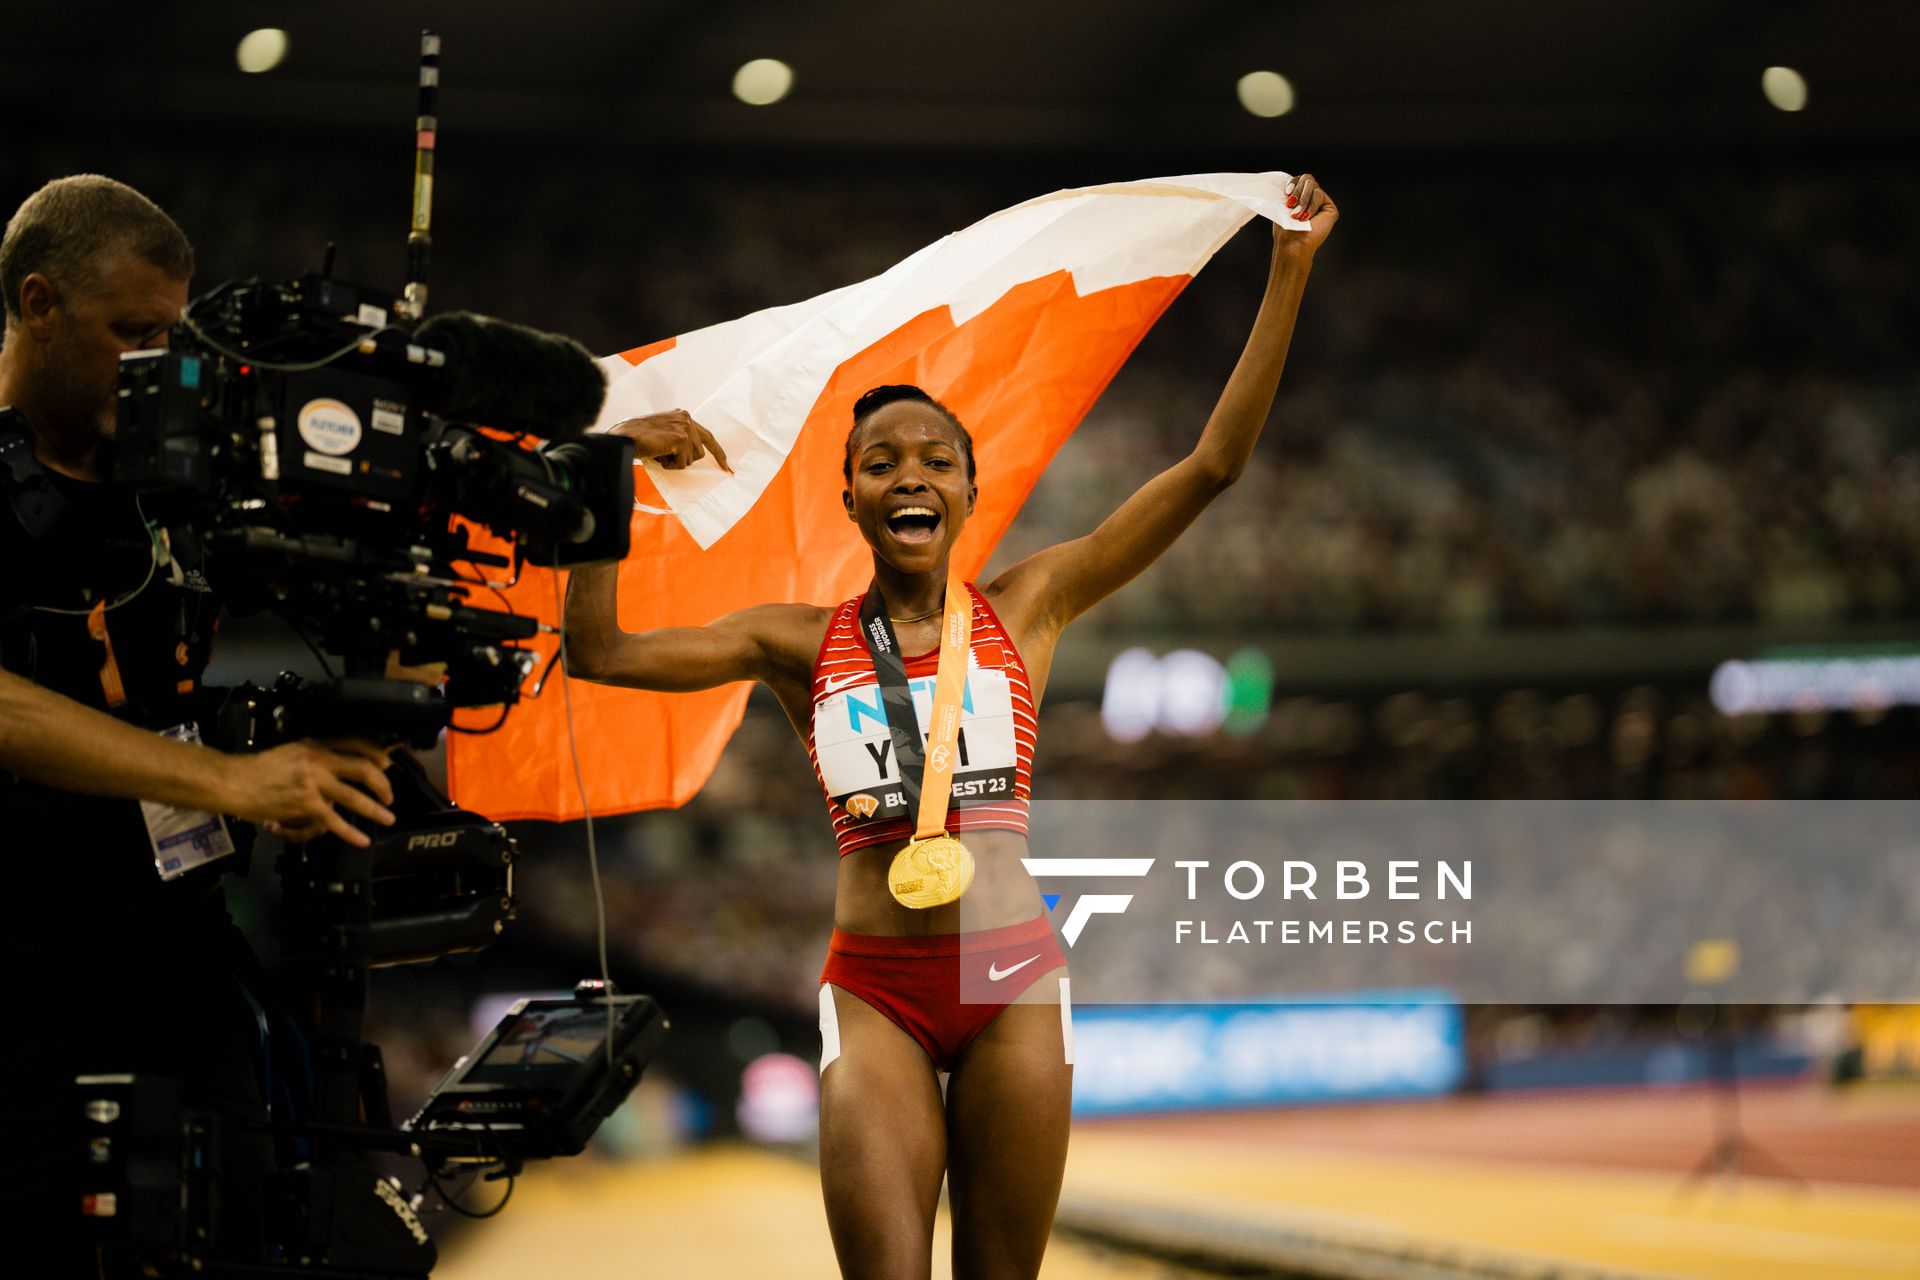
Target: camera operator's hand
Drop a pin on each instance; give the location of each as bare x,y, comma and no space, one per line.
429,674
297,791
671,439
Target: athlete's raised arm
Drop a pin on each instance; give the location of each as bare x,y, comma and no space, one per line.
760,643
1065,581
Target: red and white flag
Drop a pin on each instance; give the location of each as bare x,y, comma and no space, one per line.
1016,323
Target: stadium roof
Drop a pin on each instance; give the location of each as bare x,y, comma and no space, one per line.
993,74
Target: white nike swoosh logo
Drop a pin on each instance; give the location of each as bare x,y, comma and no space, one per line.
995,972
833,684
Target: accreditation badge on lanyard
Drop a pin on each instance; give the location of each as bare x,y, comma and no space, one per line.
183,839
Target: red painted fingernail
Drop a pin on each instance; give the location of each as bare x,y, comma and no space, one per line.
1292,201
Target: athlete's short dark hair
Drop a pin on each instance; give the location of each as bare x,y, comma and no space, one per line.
69,230
881,397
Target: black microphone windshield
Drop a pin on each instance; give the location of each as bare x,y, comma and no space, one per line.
508,376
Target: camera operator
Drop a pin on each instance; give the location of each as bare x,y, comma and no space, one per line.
115,843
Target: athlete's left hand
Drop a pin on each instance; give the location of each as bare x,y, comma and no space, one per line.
1308,202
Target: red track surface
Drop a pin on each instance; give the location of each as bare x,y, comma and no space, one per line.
1869,1136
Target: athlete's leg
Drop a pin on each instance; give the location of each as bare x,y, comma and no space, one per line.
883,1145
1007,1114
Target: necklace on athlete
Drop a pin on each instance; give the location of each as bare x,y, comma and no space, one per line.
922,618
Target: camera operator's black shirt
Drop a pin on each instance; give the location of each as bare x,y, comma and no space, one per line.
85,862
144,975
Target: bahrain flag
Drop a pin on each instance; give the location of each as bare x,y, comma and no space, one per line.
1016,323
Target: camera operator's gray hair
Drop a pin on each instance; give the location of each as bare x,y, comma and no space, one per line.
70,229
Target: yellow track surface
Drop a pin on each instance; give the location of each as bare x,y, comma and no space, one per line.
718,1212
1626,1220
735,1211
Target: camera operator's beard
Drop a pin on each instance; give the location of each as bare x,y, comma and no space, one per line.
80,406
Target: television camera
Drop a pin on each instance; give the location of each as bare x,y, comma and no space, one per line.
324,449
361,471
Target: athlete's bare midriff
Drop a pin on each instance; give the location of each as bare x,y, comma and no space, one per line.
1002,892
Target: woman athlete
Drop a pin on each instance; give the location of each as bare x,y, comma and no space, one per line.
891,1020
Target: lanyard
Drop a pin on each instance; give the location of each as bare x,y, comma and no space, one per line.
949,684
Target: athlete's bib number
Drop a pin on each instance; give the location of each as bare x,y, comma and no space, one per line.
855,747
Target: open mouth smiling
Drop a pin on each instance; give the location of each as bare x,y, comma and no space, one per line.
915,525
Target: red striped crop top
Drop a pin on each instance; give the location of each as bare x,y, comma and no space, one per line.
852,749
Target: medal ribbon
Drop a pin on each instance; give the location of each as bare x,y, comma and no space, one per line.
928,785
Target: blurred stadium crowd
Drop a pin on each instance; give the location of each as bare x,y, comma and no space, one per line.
1509,402
1522,404
1513,399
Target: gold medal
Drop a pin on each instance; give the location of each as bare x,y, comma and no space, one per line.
930,873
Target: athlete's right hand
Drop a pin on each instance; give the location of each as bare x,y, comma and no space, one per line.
298,791
672,439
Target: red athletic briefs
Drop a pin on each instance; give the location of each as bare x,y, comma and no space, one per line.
915,981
